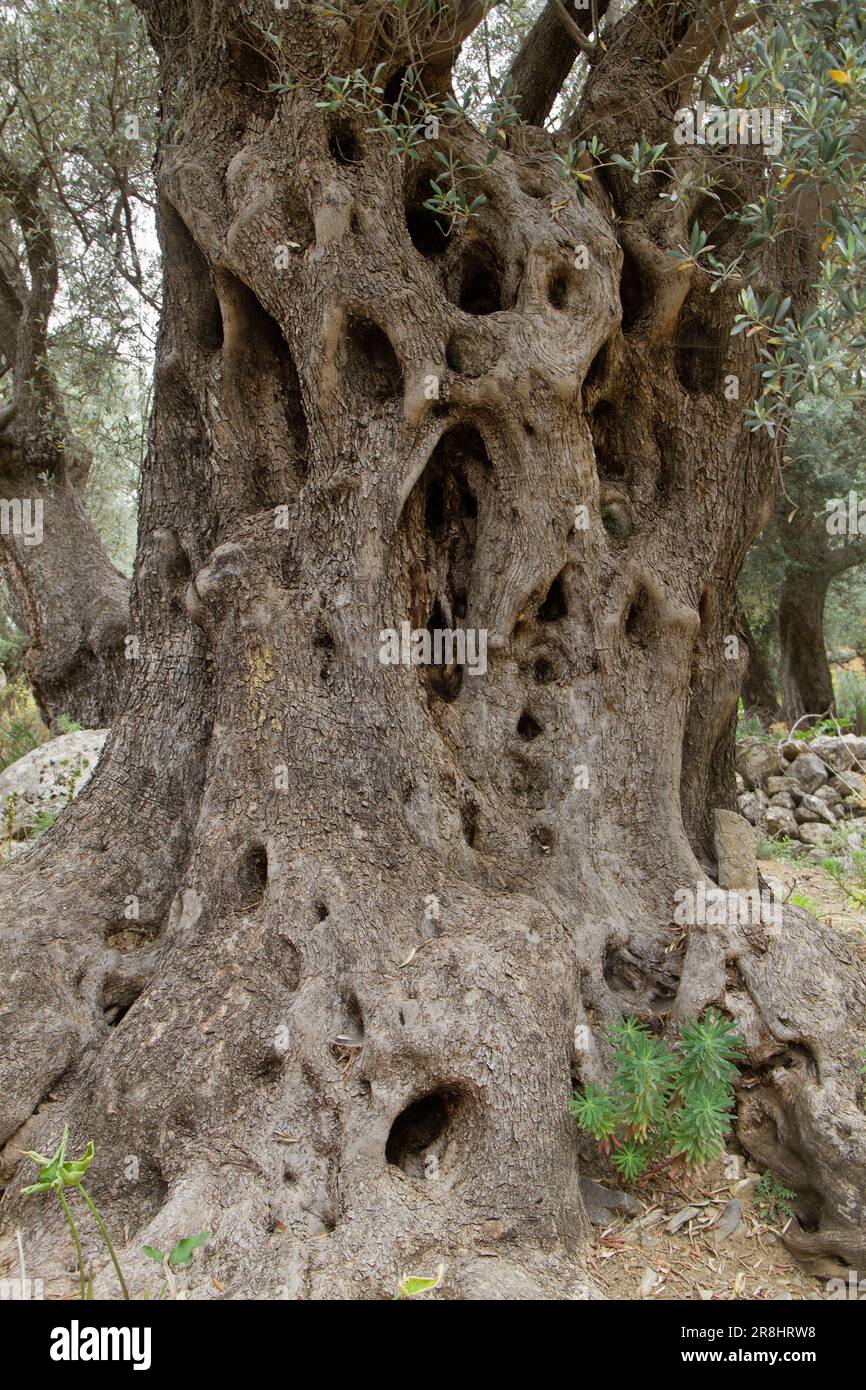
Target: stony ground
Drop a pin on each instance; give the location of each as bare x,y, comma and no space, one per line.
677,1243
636,1254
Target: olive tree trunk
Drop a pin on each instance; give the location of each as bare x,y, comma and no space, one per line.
807,685
320,953
759,690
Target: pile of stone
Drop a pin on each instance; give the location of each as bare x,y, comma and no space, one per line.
804,791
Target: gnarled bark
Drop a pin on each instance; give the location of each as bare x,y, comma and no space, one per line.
407,902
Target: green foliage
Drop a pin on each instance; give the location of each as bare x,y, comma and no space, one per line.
182,1253
807,903
773,1200
21,727
850,689
58,1174
783,848
664,1103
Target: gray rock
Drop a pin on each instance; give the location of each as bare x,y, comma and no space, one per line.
840,751
756,760
683,1215
783,799
752,805
774,785
790,750
829,795
603,1202
729,1220
850,784
814,834
808,771
779,821
48,777
795,790
812,809
735,850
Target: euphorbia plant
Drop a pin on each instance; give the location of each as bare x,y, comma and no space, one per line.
59,1173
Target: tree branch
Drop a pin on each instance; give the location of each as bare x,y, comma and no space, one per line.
32,373
545,60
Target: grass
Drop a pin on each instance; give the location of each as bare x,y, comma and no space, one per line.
850,688
21,726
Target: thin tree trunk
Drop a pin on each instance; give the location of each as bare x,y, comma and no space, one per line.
73,603
807,685
759,691
387,913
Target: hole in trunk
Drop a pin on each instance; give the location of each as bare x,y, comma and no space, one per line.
371,362
115,1013
554,606
597,369
259,372
251,877
528,727
645,987
444,675
632,292
543,839
558,289
251,70
438,535
393,90
639,624
419,1134
323,644
470,817
544,671
349,1036
427,234
700,353
603,428
343,144
188,270
480,287
616,521
434,505
321,911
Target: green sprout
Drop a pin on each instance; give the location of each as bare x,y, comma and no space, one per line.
59,1173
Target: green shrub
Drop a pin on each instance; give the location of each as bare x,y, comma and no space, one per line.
21,727
664,1104
773,1200
850,690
